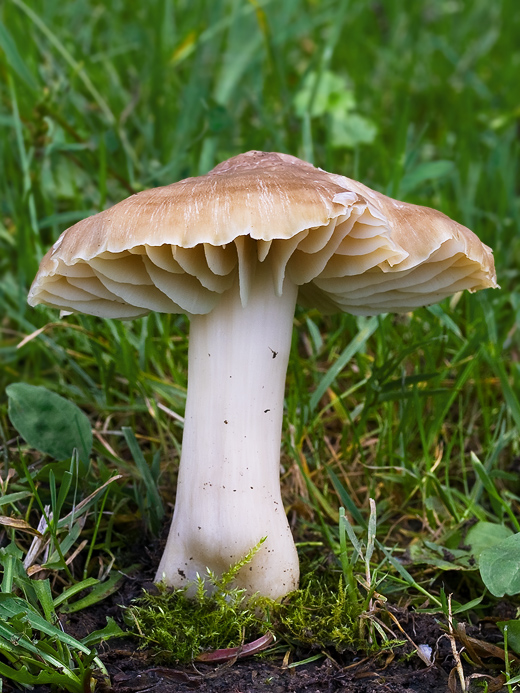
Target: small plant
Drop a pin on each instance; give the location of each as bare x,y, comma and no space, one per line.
34,650
366,598
178,629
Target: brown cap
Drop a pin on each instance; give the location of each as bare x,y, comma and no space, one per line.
178,248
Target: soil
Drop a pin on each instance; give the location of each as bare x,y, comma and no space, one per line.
401,671
133,670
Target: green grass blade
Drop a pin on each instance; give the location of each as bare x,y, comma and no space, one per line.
346,500
71,591
14,58
358,342
73,64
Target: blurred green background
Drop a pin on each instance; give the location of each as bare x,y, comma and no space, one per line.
418,99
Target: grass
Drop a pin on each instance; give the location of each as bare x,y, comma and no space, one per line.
98,101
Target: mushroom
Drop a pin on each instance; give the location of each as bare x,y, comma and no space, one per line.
234,250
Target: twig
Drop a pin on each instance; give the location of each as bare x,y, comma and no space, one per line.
456,653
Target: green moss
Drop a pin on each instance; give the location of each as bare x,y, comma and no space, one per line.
320,615
177,629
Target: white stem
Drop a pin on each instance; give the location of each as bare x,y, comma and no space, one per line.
228,493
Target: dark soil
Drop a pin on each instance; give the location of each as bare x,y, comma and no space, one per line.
269,677
401,671
133,670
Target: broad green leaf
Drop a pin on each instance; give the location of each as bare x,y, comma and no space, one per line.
500,567
486,534
48,422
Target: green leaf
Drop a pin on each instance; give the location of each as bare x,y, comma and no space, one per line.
500,567
111,630
467,606
484,535
44,594
15,60
513,633
71,591
10,560
16,641
48,422
428,170
98,593
24,677
396,563
350,129
346,500
324,92
14,497
54,562
14,606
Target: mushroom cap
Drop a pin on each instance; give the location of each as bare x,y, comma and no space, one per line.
177,248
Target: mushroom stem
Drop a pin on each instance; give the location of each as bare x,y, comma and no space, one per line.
228,493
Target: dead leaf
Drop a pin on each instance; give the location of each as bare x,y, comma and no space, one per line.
230,653
19,524
480,648
494,684
453,680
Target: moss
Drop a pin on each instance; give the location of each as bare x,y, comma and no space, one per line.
320,615
177,629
